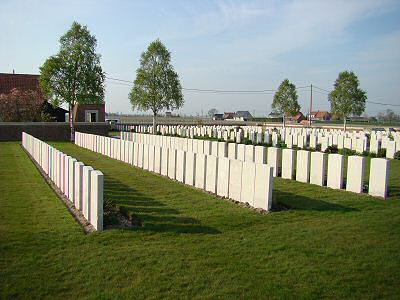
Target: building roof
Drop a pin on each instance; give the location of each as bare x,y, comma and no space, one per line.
320,114
243,114
22,82
298,117
229,115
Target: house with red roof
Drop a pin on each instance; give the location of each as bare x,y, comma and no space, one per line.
320,116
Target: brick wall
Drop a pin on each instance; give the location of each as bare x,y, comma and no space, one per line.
79,111
50,131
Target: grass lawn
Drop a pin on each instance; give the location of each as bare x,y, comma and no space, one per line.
114,133
329,244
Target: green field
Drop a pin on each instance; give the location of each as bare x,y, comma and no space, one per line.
322,243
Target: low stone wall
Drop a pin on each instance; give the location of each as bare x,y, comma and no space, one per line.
48,131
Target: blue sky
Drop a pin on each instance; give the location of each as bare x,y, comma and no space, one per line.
230,45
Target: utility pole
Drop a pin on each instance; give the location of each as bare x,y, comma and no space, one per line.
310,122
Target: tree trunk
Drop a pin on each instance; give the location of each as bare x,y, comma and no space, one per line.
71,122
154,124
344,123
283,119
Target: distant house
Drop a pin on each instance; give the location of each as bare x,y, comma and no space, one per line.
218,117
25,82
30,82
242,115
56,114
297,118
168,114
274,115
320,116
89,113
228,115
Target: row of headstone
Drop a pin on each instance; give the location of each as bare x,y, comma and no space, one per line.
301,165
303,138
243,181
81,184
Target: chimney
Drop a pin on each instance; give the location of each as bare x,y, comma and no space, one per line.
13,71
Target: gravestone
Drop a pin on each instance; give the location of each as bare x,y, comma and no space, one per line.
355,172
263,185
317,168
223,177
378,177
288,163
303,166
235,179
335,171
211,173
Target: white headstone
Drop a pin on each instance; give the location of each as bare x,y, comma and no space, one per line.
378,177
303,166
96,198
190,168
180,165
317,168
172,163
335,171
223,177
274,158
355,173
235,179
260,154
201,168
248,178
78,190
288,163
263,185
86,190
211,171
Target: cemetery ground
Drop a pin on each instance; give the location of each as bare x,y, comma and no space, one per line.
320,243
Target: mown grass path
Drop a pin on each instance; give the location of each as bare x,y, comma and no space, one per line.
192,245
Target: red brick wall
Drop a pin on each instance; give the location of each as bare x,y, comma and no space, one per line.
79,111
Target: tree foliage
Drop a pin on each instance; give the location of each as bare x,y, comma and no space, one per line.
74,74
347,98
157,86
388,116
285,99
21,106
212,112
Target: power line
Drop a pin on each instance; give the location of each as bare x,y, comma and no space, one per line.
321,89
320,92
380,103
265,91
372,102
243,92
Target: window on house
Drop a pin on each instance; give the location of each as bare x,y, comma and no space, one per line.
91,116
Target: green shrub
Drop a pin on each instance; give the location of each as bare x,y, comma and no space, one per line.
332,149
345,151
381,153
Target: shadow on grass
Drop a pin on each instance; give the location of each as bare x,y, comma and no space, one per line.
153,214
294,201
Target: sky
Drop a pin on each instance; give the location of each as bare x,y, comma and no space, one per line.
223,45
